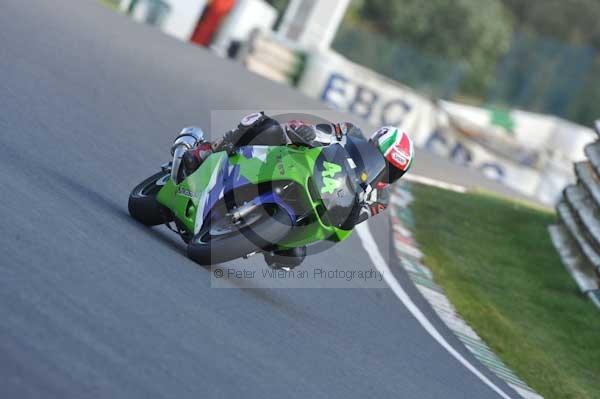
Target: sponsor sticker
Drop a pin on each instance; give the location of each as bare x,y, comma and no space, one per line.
187,193
399,159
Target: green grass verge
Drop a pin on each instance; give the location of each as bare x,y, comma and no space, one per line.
496,263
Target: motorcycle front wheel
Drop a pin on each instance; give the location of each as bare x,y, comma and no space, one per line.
143,205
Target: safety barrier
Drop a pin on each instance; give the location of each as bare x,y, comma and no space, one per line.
576,235
267,56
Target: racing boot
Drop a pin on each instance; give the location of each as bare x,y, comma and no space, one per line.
285,258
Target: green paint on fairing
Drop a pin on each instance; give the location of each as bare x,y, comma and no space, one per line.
182,199
267,164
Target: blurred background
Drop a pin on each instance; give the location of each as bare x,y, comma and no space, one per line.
508,87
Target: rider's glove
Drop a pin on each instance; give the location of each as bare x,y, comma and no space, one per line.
192,159
376,208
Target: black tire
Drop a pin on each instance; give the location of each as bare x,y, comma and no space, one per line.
143,205
262,234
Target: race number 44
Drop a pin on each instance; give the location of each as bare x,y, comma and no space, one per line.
328,174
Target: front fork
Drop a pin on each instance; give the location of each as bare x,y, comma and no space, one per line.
187,139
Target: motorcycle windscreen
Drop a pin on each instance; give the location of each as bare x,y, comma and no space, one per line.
368,161
337,180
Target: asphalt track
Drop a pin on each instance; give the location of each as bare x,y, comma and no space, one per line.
92,304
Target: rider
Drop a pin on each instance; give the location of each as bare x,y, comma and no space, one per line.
259,129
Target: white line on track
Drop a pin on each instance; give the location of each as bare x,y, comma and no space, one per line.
372,249
435,183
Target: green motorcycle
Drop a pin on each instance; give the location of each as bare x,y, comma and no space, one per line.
262,198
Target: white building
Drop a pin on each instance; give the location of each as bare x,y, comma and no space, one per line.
177,18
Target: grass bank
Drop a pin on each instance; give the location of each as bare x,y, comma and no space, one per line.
495,261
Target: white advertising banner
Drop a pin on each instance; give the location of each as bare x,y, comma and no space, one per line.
533,159
531,130
351,88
